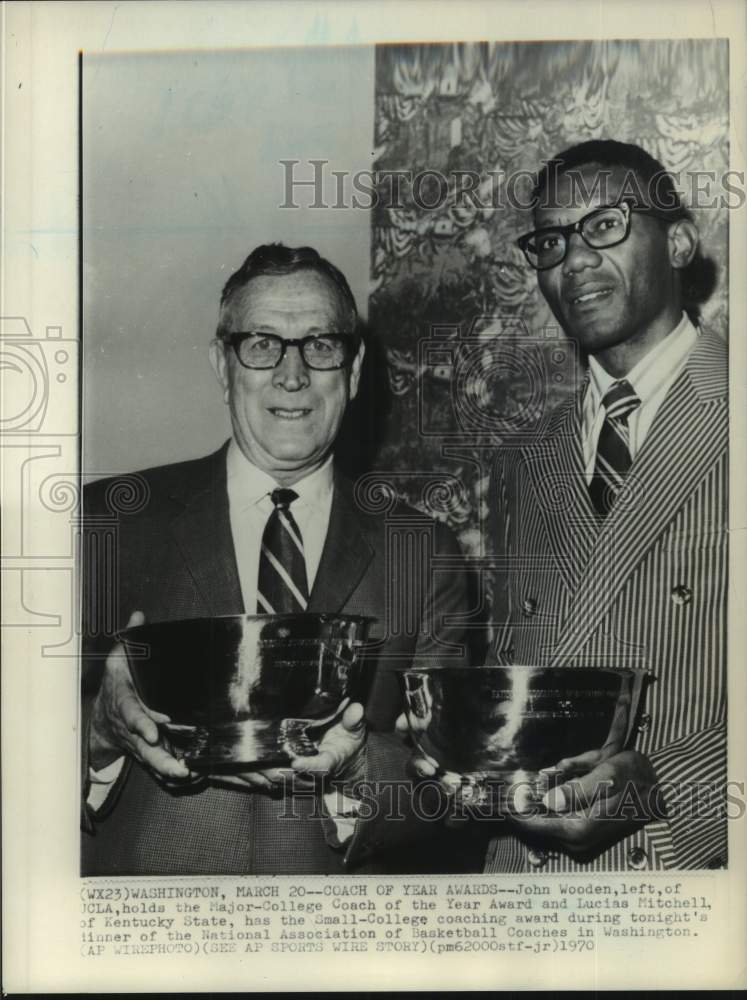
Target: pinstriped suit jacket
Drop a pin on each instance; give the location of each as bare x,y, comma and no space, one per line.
647,588
176,560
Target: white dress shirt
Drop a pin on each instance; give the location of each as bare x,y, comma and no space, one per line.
250,506
651,380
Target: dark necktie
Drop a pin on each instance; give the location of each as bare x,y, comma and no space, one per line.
281,583
613,449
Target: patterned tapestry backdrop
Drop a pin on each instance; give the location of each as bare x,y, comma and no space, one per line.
472,354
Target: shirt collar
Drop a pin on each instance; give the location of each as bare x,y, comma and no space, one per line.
652,370
248,485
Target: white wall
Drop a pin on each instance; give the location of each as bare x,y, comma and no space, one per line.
181,179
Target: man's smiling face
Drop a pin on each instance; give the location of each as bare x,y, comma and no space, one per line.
286,419
618,301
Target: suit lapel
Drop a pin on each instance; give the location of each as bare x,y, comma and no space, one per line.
346,554
202,530
556,469
688,436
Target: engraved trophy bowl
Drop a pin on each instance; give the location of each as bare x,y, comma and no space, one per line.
497,732
247,691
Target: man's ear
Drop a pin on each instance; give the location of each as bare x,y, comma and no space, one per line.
220,365
355,371
683,242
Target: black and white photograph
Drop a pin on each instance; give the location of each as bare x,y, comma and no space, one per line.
384,454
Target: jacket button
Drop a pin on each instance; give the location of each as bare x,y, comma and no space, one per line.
529,606
637,858
681,594
537,858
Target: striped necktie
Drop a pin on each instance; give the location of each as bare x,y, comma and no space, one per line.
282,585
613,448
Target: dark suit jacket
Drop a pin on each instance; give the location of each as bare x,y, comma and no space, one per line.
160,542
645,589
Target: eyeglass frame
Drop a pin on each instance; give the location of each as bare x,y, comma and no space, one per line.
237,338
576,227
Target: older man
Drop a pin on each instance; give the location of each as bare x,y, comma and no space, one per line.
631,568
288,358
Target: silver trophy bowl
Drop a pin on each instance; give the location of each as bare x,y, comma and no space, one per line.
498,729
248,690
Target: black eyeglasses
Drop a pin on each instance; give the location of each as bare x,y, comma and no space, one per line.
320,351
602,228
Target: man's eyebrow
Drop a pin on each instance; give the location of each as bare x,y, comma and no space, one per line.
550,225
252,328
308,331
588,210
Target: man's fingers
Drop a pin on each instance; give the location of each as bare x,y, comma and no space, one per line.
318,765
353,718
522,799
596,808
276,775
580,764
257,779
269,780
158,717
160,760
579,794
556,799
425,765
451,782
117,662
328,761
338,746
122,722
136,719
547,827
232,781
409,725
